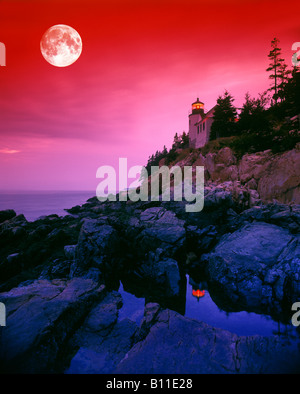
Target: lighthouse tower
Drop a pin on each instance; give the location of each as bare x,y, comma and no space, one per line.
195,117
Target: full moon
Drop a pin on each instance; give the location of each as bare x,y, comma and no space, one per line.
61,45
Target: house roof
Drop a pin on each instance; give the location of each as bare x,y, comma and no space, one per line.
207,115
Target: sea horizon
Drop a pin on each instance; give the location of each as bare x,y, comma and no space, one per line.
36,203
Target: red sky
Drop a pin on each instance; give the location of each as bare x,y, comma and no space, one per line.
143,63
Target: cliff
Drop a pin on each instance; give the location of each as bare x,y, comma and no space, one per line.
265,175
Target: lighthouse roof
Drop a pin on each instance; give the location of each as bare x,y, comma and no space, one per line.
198,102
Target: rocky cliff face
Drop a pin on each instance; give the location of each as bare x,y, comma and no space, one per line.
267,176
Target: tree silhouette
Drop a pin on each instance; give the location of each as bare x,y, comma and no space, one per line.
253,116
291,93
277,68
284,76
224,117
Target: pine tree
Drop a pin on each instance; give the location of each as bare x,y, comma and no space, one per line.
277,68
176,141
184,140
224,117
292,93
253,116
284,75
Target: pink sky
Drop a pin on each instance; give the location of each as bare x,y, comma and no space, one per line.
143,63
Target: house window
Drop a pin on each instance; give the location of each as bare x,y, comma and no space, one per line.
198,127
203,126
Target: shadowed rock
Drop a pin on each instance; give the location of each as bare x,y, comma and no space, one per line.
102,341
6,215
40,317
254,264
176,344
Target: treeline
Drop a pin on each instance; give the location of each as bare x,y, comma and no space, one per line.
270,121
179,142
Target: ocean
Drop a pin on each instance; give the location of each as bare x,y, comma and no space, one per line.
39,203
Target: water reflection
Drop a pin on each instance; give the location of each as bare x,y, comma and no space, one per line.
198,293
195,301
197,288
133,307
239,322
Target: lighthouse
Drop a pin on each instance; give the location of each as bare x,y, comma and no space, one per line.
194,118
199,124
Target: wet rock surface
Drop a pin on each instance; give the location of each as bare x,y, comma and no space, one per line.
59,280
102,341
255,265
40,317
176,344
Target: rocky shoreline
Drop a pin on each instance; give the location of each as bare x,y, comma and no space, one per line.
60,278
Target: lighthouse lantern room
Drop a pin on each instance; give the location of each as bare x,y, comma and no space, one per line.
199,124
197,106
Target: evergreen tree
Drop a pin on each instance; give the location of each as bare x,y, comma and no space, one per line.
284,75
253,116
176,141
276,67
291,92
225,114
185,140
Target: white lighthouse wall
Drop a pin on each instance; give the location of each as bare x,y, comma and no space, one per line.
193,119
202,137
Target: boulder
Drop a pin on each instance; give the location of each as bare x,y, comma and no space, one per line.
97,246
6,215
40,317
281,179
162,229
12,257
102,341
273,176
243,262
225,156
222,166
70,251
179,345
162,275
252,165
58,269
105,314
101,355
13,229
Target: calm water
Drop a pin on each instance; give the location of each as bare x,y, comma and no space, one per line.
36,204
204,309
